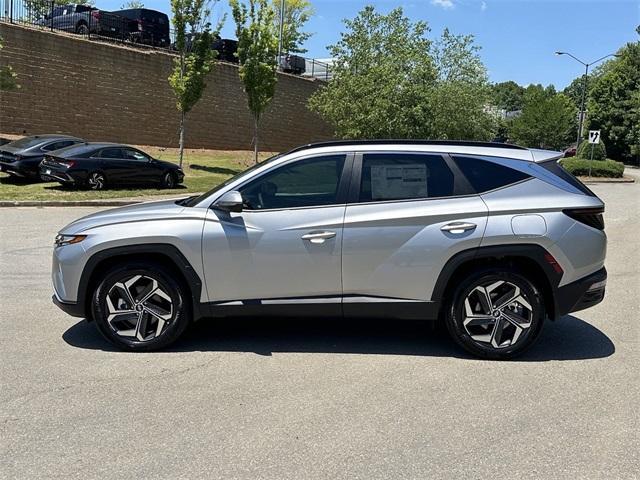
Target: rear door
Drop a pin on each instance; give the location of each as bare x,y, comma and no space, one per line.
113,164
408,213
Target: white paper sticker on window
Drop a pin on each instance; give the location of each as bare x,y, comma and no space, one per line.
399,181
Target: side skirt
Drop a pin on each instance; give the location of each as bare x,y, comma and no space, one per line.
349,306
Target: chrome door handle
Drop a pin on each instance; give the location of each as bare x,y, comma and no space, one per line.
458,227
318,237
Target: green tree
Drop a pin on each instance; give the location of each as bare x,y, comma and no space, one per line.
132,4
195,57
547,119
391,81
7,75
508,96
296,14
462,91
614,103
257,51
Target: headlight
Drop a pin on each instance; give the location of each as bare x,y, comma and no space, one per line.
68,239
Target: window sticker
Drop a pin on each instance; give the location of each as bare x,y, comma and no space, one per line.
399,181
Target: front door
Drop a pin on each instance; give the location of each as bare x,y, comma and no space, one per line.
284,249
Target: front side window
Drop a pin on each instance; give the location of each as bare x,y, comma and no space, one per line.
135,155
403,176
304,183
484,175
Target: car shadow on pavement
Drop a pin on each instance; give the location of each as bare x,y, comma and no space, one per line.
570,338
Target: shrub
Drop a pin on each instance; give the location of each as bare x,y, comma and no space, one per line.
599,151
599,168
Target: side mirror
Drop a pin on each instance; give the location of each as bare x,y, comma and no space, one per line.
230,202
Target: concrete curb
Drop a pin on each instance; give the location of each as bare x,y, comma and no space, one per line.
68,203
603,181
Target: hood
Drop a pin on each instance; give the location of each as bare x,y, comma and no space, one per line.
158,210
167,164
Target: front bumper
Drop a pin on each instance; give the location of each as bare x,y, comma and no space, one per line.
583,293
70,308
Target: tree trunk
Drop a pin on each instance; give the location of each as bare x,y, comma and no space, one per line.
181,137
255,138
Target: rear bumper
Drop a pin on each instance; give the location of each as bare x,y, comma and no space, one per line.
583,293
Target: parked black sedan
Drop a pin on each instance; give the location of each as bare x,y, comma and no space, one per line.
22,158
98,165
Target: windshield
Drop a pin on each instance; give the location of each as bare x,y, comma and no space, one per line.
26,142
193,201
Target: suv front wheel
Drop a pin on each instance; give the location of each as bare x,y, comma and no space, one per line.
495,313
140,307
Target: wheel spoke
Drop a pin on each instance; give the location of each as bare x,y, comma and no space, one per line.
479,321
516,320
496,334
507,298
141,326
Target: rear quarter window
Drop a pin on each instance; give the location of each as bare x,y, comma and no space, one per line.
559,171
484,175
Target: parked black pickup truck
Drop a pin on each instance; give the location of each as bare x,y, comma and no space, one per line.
84,19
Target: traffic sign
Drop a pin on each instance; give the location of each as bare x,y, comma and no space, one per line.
594,136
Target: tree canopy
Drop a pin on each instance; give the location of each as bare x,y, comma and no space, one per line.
257,51
508,96
296,14
614,103
391,81
548,119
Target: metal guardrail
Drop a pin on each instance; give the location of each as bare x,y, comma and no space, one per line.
100,25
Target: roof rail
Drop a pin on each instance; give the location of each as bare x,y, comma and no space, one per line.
457,143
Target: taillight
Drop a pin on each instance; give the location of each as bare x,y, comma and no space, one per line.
67,164
140,25
96,14
589,216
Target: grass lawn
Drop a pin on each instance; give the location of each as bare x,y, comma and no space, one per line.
203,170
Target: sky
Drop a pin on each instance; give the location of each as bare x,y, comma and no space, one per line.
518,37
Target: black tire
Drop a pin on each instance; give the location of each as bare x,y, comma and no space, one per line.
82,28
178,318
455,314
168,180
96,181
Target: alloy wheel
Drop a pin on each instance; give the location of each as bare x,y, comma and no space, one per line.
96,181
497,314
168,180
139,308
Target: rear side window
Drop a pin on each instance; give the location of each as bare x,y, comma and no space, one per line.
403,176
559,171
484,175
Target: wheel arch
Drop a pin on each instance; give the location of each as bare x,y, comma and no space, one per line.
165,254
531,259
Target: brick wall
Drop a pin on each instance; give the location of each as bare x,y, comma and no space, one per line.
106,92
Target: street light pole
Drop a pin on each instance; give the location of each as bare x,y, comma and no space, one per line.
584,89
281,34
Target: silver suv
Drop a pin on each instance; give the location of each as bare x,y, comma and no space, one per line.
489,238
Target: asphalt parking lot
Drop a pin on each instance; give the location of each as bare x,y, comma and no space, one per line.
321,399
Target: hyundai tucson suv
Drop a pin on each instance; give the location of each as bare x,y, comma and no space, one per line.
490,239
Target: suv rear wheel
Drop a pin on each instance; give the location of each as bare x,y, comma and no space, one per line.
140,307
495,313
